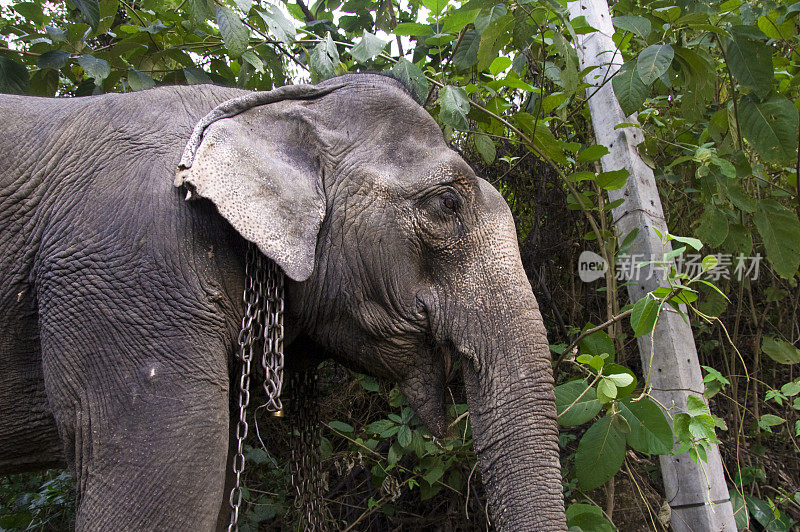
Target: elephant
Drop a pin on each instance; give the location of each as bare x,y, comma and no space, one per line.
121,302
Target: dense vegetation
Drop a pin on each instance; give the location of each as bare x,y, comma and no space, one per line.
715,85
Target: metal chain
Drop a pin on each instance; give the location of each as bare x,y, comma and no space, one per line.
263,290
263,320
306,463
272,361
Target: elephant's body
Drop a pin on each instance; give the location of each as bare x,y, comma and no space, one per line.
74,207
120,303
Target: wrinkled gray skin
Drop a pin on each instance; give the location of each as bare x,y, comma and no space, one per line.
120,302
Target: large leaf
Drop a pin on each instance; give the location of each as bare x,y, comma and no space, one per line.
367,48
780,230
90,9
454,106
629,89
412,28
780,351
496,35
14,77
583,410
54,59
643,317
639,26
235,34
771,127
650,431
600,454
139,80
324,58
466,55
713,228
750,59
281,27
96,68
412,77
653,62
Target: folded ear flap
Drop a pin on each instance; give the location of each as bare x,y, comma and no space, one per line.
261,166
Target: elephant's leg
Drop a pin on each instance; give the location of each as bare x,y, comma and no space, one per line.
142,409
28,436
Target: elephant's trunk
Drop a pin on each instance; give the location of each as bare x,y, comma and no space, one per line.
512,408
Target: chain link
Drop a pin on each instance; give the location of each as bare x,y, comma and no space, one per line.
263,291
306,463
263,320
272,361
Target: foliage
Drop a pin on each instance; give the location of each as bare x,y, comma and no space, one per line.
714,86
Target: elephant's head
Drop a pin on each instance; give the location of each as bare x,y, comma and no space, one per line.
401,261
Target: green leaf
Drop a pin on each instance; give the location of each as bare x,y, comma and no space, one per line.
613,179
341,426
253,60
14,78
369,47
740,513
404,435
639,26
643,317
281,27
780,230
466,55
606,390
324,58
369,383
689,241
195,76
90,9
139,81
611,370
54,59
457,20
496,35
235,34
750,59
412,28
56,34
713,228
592,153
583,410
454,106
653,62
695,406
780,351
485,147
768,421
771,127
201,10
380,426
499,65
600,454
244,5
629,89
483,20
596,343
620,380
435,6
99,69
650,431
412,77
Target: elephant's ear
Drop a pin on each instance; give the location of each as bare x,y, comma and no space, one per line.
257,158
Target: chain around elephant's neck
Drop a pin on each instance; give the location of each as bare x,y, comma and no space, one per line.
263,319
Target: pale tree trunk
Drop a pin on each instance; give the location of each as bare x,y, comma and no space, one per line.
697,493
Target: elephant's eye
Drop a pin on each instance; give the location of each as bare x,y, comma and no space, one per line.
449,202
